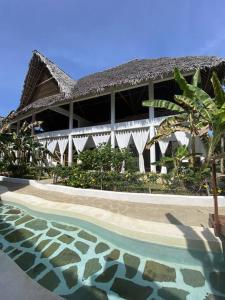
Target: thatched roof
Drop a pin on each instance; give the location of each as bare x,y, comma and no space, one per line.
130,74
38,61
1,120
140,71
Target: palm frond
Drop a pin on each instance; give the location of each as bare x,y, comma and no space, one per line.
174,120
201,95
180,79
196,78
218,90
186,102
163,104
155,139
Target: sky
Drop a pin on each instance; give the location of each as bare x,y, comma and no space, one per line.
87,36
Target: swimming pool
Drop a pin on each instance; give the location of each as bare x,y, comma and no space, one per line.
78,260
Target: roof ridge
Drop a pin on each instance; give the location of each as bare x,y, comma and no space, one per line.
152,60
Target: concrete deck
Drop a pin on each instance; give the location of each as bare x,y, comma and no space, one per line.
163,213
16,285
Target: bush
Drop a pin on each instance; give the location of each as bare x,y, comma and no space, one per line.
104,180
107,180
3,167
100,168
187,181
27,171
105,158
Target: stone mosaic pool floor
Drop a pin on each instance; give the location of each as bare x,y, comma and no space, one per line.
76,264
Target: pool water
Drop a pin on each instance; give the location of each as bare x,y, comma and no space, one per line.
75,262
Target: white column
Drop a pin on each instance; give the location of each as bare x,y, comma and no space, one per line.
71,116
70,139
152,150
10,128
112,120
17,127
61,160
32,121
152,129
17,132
70,150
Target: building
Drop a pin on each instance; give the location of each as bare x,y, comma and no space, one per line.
1,120
106,107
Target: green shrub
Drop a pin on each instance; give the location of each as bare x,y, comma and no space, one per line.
105,158
3,167
105,180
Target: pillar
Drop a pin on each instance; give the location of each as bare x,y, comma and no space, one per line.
112,120
152,128
71,116
32,121
17,127
70,138
61,159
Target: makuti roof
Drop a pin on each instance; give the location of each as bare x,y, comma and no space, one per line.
135,72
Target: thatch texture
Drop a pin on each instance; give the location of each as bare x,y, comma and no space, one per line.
65,82
1,121
38,61
130,74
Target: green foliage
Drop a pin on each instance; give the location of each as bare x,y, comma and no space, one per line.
187,107
176,161
163,104
105,158
108,180
197,114
104,180
187,181
181,177
100,168
22,154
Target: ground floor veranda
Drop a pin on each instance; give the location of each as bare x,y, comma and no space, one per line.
133,135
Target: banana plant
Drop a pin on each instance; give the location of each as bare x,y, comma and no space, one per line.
23,148
176,161
197,113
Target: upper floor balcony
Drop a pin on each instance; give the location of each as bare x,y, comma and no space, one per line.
101,129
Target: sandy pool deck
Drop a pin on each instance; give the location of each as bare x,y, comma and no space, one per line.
173,214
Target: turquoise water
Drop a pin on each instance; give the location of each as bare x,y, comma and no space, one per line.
78,260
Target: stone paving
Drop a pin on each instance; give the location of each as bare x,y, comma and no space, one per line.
75,264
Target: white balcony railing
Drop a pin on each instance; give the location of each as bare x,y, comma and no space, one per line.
96,129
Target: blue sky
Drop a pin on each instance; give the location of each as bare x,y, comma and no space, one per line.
85,36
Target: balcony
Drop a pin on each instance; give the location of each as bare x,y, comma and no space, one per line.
98,129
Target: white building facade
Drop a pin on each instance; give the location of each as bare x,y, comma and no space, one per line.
106,107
